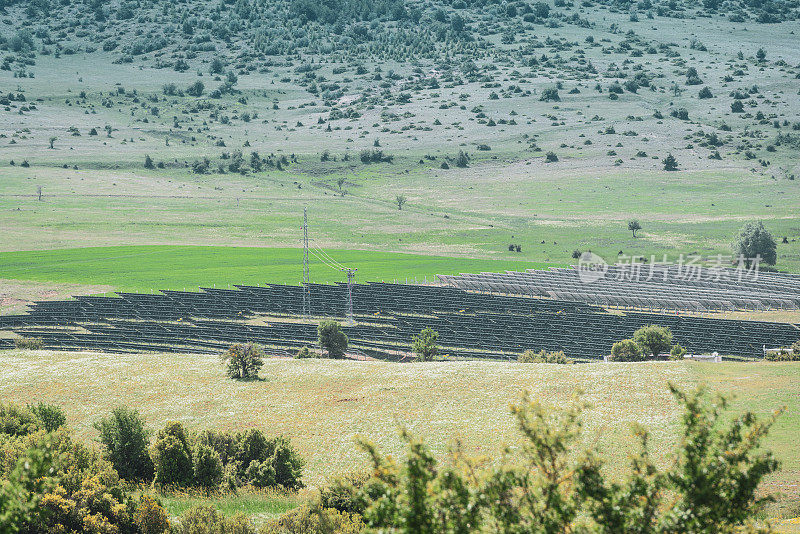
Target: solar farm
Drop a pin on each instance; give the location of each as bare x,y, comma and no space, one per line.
478,316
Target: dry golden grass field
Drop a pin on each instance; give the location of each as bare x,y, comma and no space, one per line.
322,405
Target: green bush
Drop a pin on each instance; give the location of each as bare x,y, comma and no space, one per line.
208,520
29,343
150,517
304,353
18,421
549,484
626,350
424,345
207,467
125,439
677,352
52,417
343,493
243,361
172,456
314,520
530,356
653,339
332,339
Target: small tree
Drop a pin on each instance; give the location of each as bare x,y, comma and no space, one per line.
108,129
207,467
677,352
462,159
332,339
633,226
51,416
148,162
424,344
172,456
39,192
737,106
653,339
670,163
196,89
125,438
400,200
626,350
755,240
52,142
243,360
761,55
150,516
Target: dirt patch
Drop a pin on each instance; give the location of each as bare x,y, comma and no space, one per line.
17,295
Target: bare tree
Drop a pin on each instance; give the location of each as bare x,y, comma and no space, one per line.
39,192
52,140
400,200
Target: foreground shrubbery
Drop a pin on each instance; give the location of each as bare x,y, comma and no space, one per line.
551,486
542,356
783,355
51,483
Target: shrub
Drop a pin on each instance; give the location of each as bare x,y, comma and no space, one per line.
305,352
50,416
705,92
653,339
243,360
461,160
424,345
343,493
266,462
551,157
550,95
737,106
207,467
712,485
125,438
332,339
29,343
626,350
209,520
150,516
196,89
18,421
754,240
315,520
677,352
670,163
542,356
172,456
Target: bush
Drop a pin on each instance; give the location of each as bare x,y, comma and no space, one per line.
50,416
461,160
267,462
209,520
196,89
315,520
550,95
29,343
677,352
754,240
711,485
653,339
125,438
424,345
551,157
207,467
626,350
243,361
332,339
542,356
343,493
18,421
150,516
670,163
304,353
172,456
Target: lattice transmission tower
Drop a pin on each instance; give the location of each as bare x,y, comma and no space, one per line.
306,276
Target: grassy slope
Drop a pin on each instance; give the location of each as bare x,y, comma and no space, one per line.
144,268
323,405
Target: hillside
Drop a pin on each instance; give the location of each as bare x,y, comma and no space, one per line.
540,124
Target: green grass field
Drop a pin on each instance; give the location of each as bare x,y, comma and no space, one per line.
323,405
146,268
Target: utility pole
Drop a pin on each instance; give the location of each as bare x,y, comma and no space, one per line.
351,273
306,278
